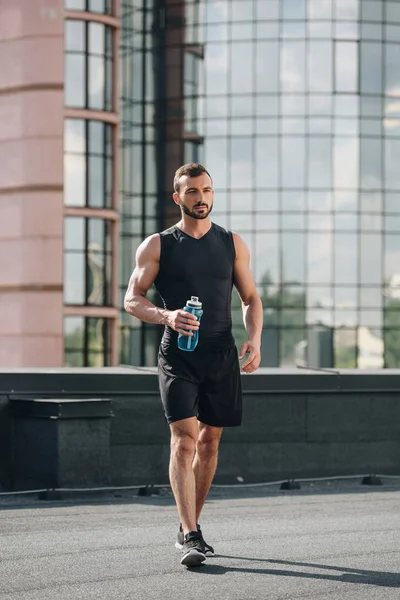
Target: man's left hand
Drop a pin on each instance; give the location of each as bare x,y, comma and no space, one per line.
253,361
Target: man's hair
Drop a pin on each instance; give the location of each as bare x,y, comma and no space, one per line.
190,170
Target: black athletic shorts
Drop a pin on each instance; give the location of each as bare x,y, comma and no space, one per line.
206,386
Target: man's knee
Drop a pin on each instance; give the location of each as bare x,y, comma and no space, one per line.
208,441
183,441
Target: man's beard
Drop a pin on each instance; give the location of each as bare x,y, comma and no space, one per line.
194,214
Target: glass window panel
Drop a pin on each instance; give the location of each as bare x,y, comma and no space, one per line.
346,162
96,82
294,9
267,126
319,201
266,262
267,105
217,68
216,106
320,9
96,38
293,162
293,257
370,258
293,105
319,125
241,162
371,107
345,259
241,126
217,32
392,69
345,348
346,201
291,125
371,297
392,257
241,106
320,66
345,126
96,231
392,202
266,170
75,80
241,11
292,72
267,9
371,31
96,137
392,171
97,6
345,221
371,202
293,221
75,4
371,10
267,71
241,31
268,201
392,107
241,201
74,180
267,221
73,359
392,33
371,68
371,163
320,105
267,31
74,278
347,30
319,222
96,181
392,223
74,135
346,9
74,332
393,12
319,29
292,346
293,29
392,127
241,75
74,233
346,67
241,222
292,201
371,222
216,152
319,162
75,36
319,258
346,106
371,127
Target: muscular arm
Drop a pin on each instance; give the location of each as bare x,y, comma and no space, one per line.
142,278
251,305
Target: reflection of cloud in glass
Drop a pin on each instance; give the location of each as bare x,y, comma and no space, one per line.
74,180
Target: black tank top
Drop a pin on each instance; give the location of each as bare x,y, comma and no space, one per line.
199,267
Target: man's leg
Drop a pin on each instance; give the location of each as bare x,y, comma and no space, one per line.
184,436
205,462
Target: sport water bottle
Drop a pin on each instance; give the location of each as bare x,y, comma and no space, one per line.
188,342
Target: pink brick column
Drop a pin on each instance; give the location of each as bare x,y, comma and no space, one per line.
31,183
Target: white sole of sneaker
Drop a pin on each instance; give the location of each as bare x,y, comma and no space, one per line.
178,546
193,558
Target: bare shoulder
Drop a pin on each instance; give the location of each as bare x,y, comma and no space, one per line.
241,249
149,249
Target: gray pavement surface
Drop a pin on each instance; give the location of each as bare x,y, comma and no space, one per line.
326,542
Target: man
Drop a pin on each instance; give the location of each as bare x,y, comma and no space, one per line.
200,390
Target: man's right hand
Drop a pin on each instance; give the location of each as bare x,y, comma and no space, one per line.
182,321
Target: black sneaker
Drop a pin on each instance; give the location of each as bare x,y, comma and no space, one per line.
208,550
193,550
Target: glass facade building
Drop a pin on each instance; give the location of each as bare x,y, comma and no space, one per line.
294,108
